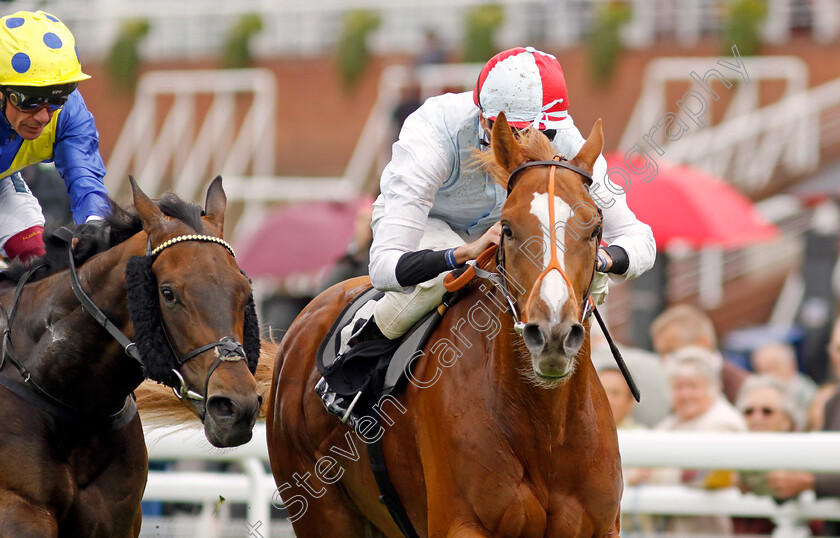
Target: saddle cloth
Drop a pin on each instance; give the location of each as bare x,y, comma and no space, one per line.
376,367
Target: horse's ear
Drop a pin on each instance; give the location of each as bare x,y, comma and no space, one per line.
506,149
149,212
215,203
591,148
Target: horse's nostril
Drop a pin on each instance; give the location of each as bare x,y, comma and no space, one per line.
221,407
574,339
533,336
259,400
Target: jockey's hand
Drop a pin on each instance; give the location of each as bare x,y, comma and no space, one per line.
471,251
90,238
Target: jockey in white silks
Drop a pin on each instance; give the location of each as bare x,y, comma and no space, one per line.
437,209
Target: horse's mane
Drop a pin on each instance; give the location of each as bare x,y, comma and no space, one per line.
534,144
123,223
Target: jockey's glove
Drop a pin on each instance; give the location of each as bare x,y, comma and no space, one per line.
93,237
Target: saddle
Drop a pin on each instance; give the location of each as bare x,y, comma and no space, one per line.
370,369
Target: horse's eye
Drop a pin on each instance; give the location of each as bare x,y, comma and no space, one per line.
507,230
596,232
168,295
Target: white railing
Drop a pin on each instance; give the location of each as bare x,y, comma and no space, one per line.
371,153
198,28
188,146
814,452
750,149
749,144
185,149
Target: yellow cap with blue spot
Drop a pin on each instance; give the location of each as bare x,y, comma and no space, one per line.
37,49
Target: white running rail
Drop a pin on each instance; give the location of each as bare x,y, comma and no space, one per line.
815,452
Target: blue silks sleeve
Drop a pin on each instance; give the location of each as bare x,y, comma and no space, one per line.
77,159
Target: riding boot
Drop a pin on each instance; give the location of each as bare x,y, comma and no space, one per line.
363,330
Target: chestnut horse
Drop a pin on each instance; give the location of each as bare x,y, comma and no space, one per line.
74,459
499,432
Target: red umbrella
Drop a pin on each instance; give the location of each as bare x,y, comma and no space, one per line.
685,204
299,239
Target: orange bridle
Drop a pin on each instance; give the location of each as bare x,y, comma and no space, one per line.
554,262
499,279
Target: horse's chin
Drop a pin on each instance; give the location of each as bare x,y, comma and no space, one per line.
552,370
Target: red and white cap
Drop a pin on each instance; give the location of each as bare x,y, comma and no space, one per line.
528,85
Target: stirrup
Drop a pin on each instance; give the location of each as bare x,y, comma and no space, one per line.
336,404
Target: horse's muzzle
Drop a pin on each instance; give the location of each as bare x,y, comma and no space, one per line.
553,349
229,421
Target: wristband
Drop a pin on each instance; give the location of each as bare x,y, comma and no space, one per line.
601,262
449,256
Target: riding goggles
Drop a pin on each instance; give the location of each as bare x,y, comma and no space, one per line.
549,133
28,103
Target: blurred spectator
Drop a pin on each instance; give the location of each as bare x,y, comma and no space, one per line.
432,51
622,404
647,372
685,325
698,405
768,406
833,350
778,359
618,393
355,260
788,484
815,416
410,100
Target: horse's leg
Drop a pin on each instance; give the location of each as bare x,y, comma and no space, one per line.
138,521
330,514
21,519
614,531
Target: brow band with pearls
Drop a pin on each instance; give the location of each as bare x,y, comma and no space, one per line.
191,237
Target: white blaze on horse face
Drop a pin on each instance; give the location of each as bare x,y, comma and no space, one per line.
553,290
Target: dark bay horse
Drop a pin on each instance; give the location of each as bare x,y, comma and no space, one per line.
504,429
74,460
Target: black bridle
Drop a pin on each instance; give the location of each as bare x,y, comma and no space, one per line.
228,349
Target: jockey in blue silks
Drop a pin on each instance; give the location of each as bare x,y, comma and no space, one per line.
44,120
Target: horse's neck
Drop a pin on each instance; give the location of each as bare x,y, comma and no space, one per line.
72,356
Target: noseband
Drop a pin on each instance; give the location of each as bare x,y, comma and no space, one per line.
500,279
